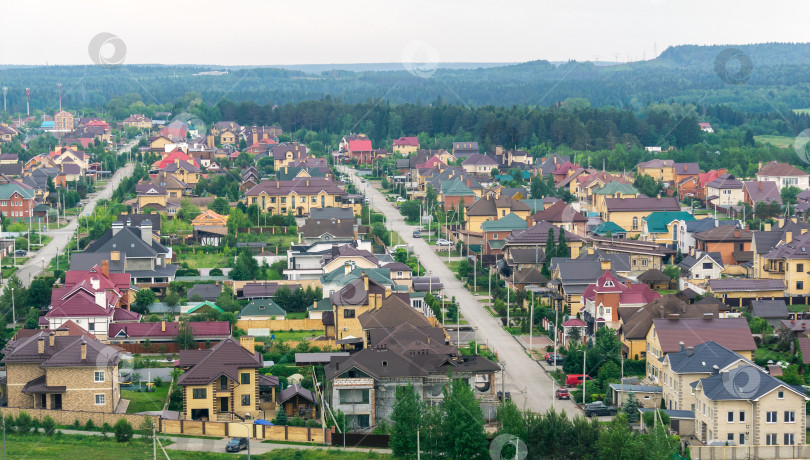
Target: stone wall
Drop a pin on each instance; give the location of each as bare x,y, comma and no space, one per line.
281,324
67,417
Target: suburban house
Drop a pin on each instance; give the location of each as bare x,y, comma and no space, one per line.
761,192
788,261
455,192
287,154
164,333
613,189
667,334
563,215
733,244
221,383
491,208
210,227
657,169
756,409
724,191
643,255
296,196
603,299
628,213
784,175
680,369
739,292
49,370
494,232
132,250
535,238
137,121
297,401
662,227
327,230
406,145
262,309
702,266
17,202
772,311
508,157
464,149
478,163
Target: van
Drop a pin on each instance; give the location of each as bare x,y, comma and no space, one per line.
572,380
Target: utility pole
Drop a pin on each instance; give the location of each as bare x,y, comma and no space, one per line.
584,354
556,316
154,443
531,328
507,304
503,379
418,447
13,309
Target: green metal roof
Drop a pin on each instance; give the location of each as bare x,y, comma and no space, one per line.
611,227
496,244
339,275
6,190
535,203
613,187
657,221
508,222
321,305
206,304
265,307
456,188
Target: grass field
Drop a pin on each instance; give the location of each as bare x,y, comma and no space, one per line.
295,335
778,141
201,260
797,308
801,111
297,315
764,353
142,402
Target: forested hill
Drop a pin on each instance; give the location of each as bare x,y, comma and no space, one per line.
778,80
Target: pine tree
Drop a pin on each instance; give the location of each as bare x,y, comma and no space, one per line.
551,249
631,407
465,435
405,419
562,246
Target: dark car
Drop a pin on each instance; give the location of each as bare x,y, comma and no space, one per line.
236,445
562,393
20,252
598,408
501,396
417,234
551,358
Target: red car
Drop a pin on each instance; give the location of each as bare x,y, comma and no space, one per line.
562,393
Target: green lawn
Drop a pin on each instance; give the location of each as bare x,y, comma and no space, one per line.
801,111
766,354
141,402
778,141
297,315
201,260
797,308
294,335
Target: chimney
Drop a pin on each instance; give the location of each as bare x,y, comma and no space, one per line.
681,345
365,281
708,316
117,226
41,345
115,255
347,268
767,226
605,264
314,304
469,181
372,301
629,284
715,370
51,339
736,233
788,237
674,316
690,351
163,326
105,268
247,342
590,251
84,350
387,292
146,231
760,186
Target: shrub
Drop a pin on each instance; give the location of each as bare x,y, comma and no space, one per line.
297,421
48,424
105,429
24,422
313,423
281,418
158,382
215,272
145,428
123,430
77,424
90,426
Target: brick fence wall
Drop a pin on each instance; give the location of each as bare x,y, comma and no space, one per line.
67,417
741,452
281,324
247,429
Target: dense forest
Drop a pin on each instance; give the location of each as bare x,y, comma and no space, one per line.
755,78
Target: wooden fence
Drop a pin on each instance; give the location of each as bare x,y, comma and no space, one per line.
154,347
315,435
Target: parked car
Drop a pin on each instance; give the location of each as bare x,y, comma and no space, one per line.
507,396
572,380
562,393
417,234
443,242
362,181
401,200
236,445
557,359
20,252
599,408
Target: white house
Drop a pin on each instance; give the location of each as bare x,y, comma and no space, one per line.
784,175
704,266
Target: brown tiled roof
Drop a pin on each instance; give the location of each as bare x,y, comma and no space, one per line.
642,204
732,333
766,191
66,351
725,233
772,168
687,168
746,284
394,311
224,358
489,206
560,212
300,185
804,347
656,163
637,325
313,228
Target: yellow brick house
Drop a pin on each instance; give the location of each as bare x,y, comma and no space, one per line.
295,196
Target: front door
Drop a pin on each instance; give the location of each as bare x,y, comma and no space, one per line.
56,401
223,405
43,398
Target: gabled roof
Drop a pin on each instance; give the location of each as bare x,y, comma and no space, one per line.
613,187
560,212
296,390
605,227
738,384
205,304
656,163
690,261
773,168
638,323
763,191
724,233
657,222
478,159
66,351
224,358
509,222
642,204
488,206
732,333
653,275
456,188
702,358
393,312
538,234
262,307
773,309
683,169
725,182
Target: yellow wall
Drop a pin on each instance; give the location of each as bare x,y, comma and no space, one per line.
291,203
664,174
625,220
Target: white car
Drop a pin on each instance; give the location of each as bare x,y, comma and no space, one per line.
401,200
443,242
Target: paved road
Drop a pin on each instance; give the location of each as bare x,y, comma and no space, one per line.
60,238
523,375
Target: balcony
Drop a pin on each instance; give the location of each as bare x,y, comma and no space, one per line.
774,268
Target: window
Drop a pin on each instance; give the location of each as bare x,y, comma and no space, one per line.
780,395
98,376
799,285
635,223
770,439
770,417
495,236
790,439
354,396
199,393
272,199
284,199
245,378
348,313
303,199
790,416
253,200
731,419
742,439
741,246
643,262
799,267
245,399
314,199
100,399
707,265
742,417
91,327
730,437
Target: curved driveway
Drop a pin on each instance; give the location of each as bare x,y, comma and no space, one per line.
523,375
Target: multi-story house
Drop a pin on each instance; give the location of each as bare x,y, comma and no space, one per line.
17,202
137,121
256,134
184,171
49,370
535,238
737,292
657,169
564,216
791,263
726,191
667,334
664,227
628,213
492,208
612,189
733,243
749,407
406,145
603,299
296,196
507,157
288,154
221,383
680,369
480,164
681,171
756,192
702,266
464,149
784,175
63,121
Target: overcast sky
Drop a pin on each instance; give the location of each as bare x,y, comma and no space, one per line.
264,32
